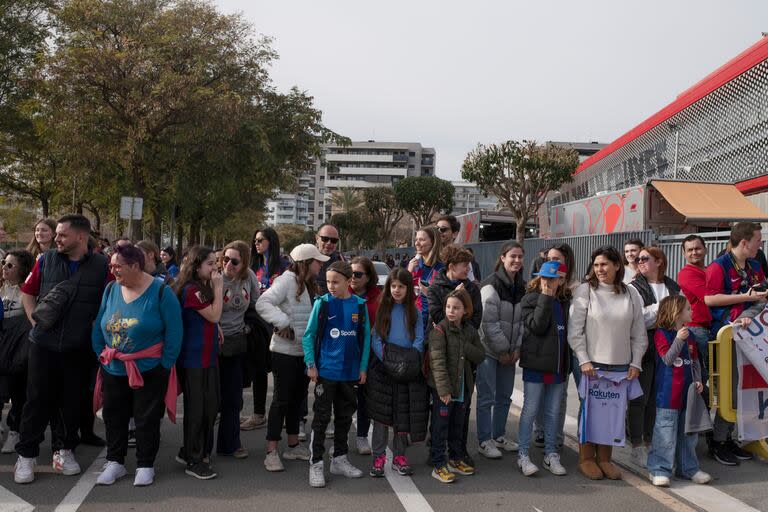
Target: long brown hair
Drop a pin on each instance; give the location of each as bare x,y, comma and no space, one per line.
34,247
670,308
384,313
437,245
611,254
188,274
659,256
304,280
245,256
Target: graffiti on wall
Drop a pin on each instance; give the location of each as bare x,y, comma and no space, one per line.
612,212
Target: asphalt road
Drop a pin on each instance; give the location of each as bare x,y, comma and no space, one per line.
498,485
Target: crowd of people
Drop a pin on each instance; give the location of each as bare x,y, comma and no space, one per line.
126,327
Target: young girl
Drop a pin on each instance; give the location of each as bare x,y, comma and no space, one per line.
424,267
336,345
401,405
287,305
677,368
545,359
200,291
453,345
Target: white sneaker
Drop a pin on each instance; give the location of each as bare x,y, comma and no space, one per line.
24,470
506,444
273,463
298,452
639,456
363,448
660,481
526,466
303,431
10,443
144,477
341,466
64,462
110,473
489,450
316,475
552,463
701,478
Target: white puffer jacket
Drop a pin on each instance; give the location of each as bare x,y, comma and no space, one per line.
279,307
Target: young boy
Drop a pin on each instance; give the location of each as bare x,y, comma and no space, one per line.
336,347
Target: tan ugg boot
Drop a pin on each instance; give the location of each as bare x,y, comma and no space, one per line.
587,463
608,468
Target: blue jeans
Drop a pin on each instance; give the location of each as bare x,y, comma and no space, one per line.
539,425
672,446
540,397
495,383
701,337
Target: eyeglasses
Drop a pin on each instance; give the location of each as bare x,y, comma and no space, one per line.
358,275
328,239
234,261
444,229
8,265
643,259
257,241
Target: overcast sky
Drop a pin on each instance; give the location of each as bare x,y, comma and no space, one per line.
450,74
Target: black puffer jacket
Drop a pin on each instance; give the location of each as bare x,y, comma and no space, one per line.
401,406
541,345
441,286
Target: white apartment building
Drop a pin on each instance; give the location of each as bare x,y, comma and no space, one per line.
360,165
467,198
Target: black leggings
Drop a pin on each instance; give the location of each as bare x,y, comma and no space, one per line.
291,382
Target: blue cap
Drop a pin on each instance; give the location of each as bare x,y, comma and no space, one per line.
552,269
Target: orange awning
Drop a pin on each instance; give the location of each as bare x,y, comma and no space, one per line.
709,202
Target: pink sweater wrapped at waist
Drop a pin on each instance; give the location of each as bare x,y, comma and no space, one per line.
135,380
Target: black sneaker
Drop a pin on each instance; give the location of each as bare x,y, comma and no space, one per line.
723,455
201,471
131,439
737,451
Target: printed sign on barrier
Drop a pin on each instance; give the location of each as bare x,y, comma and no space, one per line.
752,394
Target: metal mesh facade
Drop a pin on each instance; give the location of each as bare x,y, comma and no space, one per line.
722,137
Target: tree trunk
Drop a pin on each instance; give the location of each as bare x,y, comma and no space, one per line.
194,232
156,224
45,206
520,230
179,239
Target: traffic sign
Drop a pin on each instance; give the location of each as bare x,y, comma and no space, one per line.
131,207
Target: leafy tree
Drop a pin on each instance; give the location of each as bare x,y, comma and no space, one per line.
354,230
292,235
520,174
424,196
382,206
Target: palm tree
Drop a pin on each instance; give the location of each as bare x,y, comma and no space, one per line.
347,199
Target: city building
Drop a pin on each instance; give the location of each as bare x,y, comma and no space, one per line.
360,165
467,197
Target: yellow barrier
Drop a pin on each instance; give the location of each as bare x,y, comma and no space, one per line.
721,366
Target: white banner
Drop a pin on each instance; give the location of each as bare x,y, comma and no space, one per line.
752,393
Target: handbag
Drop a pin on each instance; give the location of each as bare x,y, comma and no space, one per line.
402,364
234,345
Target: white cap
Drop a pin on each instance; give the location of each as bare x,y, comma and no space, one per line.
305,252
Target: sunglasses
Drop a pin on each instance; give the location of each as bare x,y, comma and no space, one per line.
234,261
643,259
257,241
329,239
358,275
444,229
8,265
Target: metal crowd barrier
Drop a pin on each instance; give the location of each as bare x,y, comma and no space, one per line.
721,366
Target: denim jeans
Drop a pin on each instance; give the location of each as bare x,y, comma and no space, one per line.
672,446
538,426
701,337
495,383
540,397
